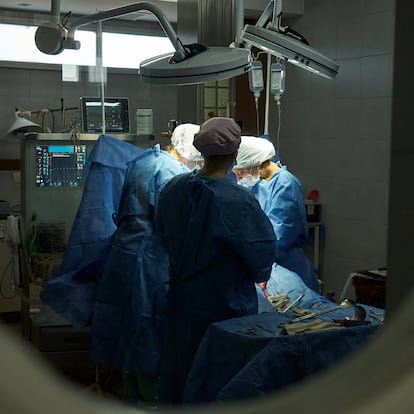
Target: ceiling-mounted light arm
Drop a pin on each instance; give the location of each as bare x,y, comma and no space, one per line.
277,9
274,11
53,39
275,23
121,11
56,11
189,64
286,43
267,12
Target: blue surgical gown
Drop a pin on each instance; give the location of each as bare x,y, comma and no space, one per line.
282,199
71,290
131,297
219,243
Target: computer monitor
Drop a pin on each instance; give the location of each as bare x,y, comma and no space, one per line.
53,176
116,115
59,165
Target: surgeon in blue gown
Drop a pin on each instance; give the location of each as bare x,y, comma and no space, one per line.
131,297
219,243
281,196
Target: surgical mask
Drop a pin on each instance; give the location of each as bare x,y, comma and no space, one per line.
197,166
193,165
249,181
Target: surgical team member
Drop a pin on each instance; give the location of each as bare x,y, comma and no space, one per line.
182,147
131,295
281,197
219,243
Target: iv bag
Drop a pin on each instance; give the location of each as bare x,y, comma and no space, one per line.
256,77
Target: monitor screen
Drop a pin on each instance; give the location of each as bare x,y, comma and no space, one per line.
59,165
116,115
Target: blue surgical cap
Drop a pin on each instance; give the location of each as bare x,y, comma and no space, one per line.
218,136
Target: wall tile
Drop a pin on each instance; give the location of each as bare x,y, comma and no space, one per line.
376,118
378,34
377,75
348,119
350,32
348,80
375,6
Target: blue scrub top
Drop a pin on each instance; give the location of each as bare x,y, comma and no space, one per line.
282,199
219,243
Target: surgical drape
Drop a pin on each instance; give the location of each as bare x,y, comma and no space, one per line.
71,291
131,296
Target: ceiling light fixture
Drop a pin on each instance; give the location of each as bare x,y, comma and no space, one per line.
189,64
286,43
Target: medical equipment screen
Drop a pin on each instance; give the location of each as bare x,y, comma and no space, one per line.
59,165
116,115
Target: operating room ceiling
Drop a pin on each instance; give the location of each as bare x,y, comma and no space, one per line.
253,8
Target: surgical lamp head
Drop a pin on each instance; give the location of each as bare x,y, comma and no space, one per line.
285,43
294,51
189,64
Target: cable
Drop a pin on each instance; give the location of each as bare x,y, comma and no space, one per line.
279,112
48,112
3,277
23,261
66,18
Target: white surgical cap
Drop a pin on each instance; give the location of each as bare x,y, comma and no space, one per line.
254,151
182,139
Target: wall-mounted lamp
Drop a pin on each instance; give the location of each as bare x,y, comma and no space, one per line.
285,43
189,64
22,124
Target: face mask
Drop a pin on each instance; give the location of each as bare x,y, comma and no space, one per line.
248,181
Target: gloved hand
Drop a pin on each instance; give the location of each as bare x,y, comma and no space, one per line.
263,287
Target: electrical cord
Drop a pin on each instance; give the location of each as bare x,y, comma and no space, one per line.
257,116
48,112
19,250
66,18
279,124
2,280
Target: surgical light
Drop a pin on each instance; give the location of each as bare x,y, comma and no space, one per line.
188,65
286,43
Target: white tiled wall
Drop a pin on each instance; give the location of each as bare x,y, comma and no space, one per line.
335,134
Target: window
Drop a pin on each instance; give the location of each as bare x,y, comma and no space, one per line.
17,44
118,50
128,51
217,98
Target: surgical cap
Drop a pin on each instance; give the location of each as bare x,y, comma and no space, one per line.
254,151
182,139
218,136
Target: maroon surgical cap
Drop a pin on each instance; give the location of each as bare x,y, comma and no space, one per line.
218,136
